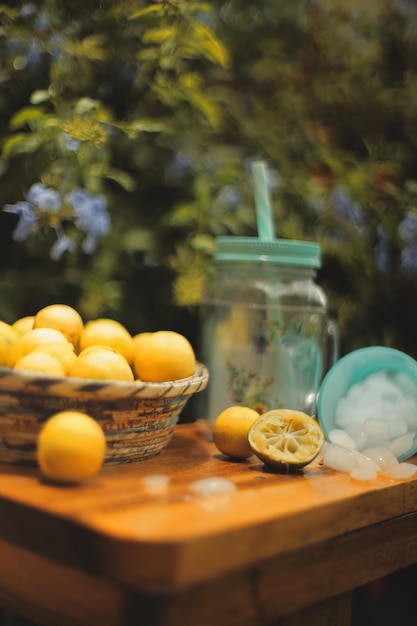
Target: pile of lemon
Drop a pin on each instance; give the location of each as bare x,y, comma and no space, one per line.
56,342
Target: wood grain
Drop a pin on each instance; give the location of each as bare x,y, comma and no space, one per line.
160,540
279,544
50,594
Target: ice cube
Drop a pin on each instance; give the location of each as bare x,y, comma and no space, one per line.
402,445
399,471
339,458
405,384
397,428
363,473
341,438
376,431
366,462
381,455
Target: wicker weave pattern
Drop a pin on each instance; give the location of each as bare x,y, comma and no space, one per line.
138,418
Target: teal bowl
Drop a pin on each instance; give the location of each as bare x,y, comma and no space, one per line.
353,368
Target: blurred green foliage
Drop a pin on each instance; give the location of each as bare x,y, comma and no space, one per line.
160,106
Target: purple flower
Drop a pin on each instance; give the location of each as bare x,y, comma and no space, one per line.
44,198
228,198
346,209
28,9
42,21
28,219
181,165
63,244
70,143
409,259
382,252
90,216
407,229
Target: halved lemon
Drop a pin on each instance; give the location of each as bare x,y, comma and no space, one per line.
286,439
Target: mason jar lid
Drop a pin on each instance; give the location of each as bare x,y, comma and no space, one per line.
279,251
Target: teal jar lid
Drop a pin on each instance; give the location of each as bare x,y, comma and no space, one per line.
279,251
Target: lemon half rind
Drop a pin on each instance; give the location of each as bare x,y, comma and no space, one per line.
286,439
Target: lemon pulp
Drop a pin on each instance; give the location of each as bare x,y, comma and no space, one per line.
285,438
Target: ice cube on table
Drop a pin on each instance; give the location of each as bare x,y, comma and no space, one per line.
382,456
402,445
363,473
399,471
366,462
338,458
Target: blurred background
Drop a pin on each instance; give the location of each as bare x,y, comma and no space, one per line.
128,127
127,130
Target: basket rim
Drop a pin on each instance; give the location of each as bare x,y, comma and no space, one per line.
12,380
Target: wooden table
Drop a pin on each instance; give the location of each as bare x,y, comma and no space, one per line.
281,549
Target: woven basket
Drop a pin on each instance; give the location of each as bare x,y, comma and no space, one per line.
137,418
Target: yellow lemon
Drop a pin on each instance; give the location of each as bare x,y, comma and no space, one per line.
24,324
95,348
40,363
38,337
286,439
230,431
63,318
101,364
137,339
63,352
9,345
107,332
162,356
71,447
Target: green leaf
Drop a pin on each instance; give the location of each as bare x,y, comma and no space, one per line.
145,125
25,116
153,9
183,214
195,95
203,243
123,179
148,54
40,95
139,239
22,143
202,42
199,7
159,35
86,105
90,48
8,12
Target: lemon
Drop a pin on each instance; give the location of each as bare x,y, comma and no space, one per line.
285,438
230,431
40,336
95,348
63,318
107,332
71,447
63,352
162,356
41,363
101,364
137,339
23,324
9,345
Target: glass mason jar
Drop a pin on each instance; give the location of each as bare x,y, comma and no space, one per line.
265,333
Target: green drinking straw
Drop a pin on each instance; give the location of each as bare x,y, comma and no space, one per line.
262,201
